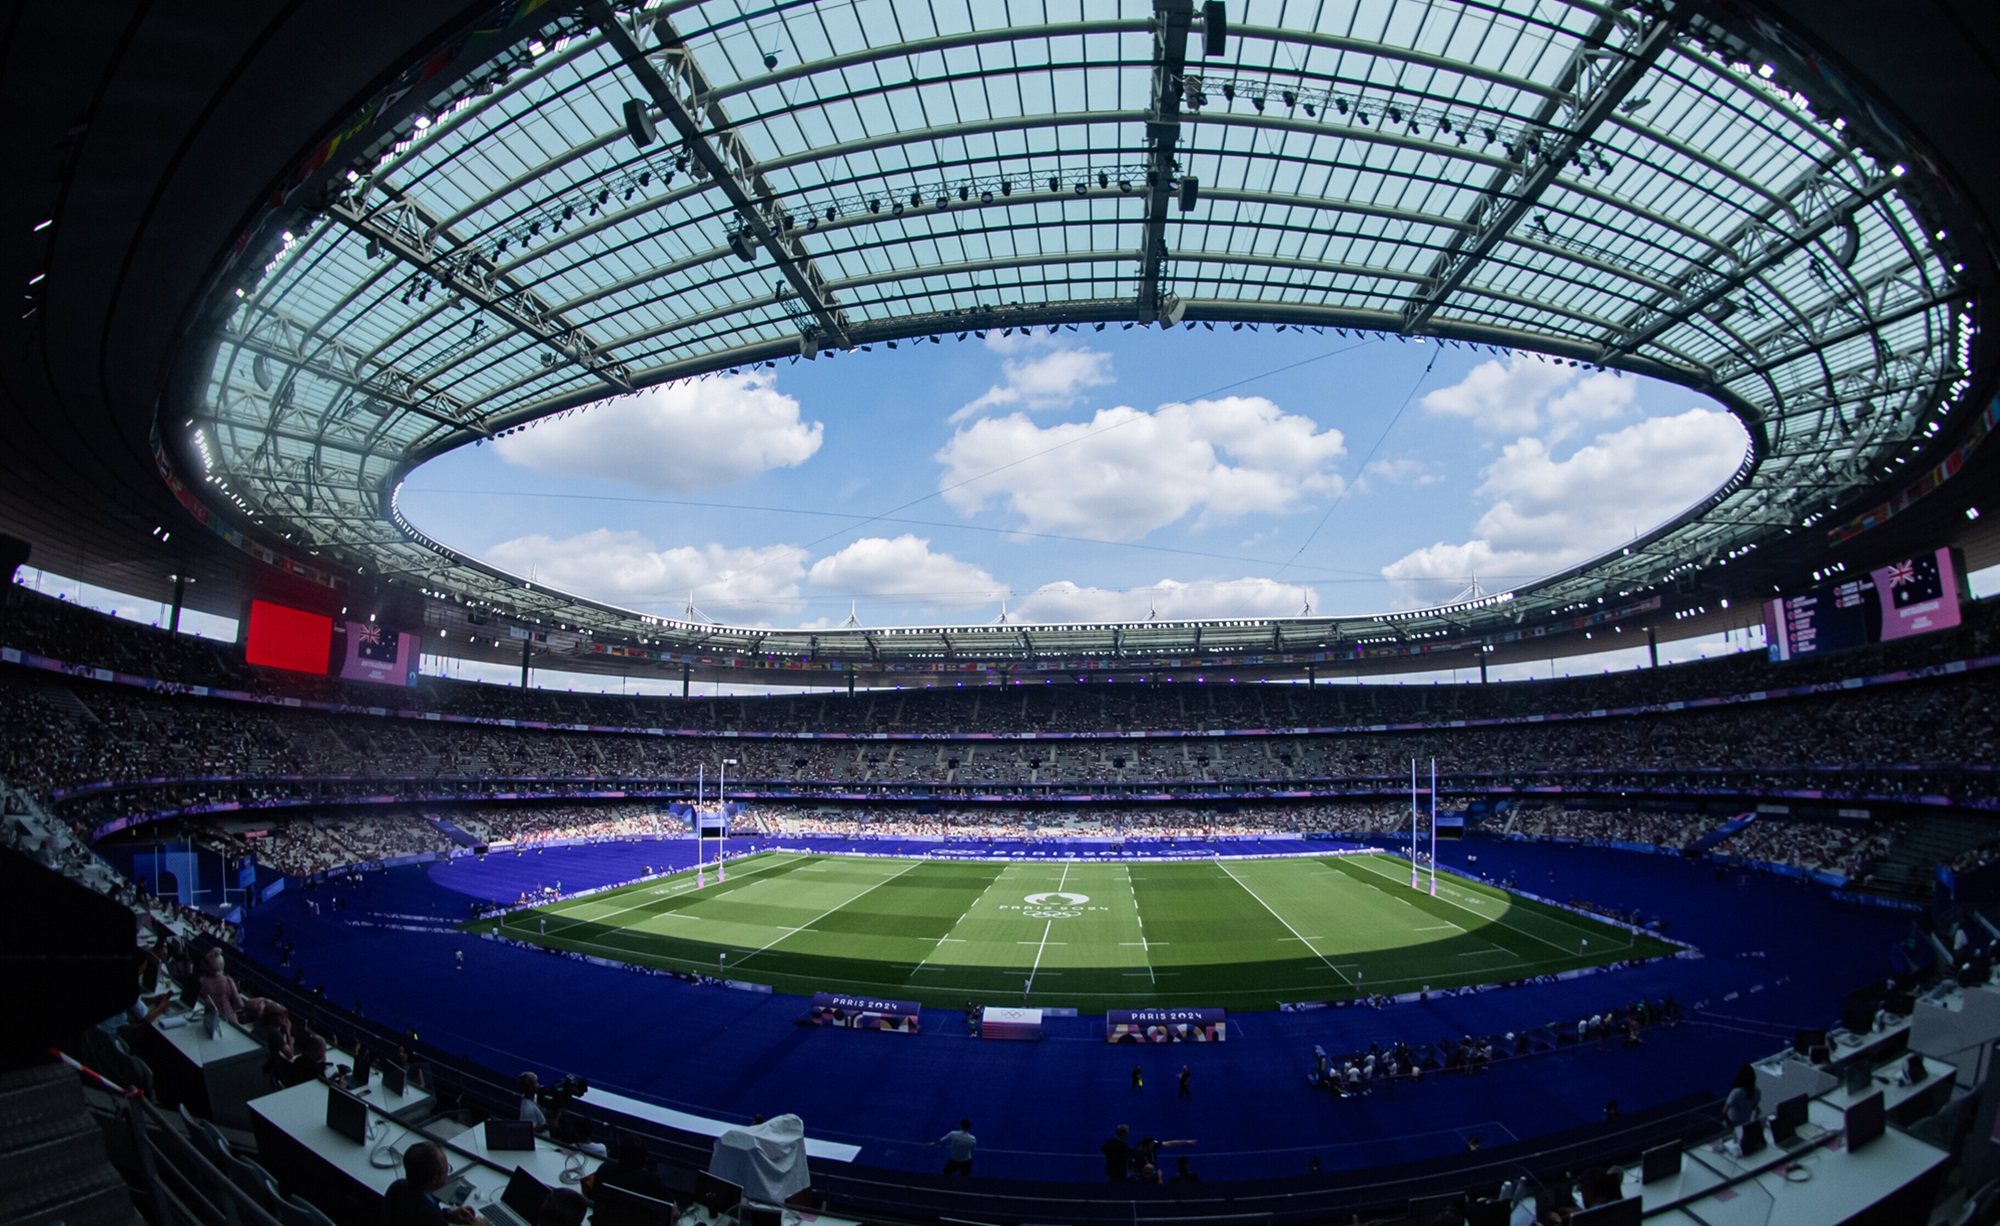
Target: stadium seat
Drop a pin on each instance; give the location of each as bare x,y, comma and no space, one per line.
255,1181
298,1211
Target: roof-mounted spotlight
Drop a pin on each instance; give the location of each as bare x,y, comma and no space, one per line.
1214,26
1172,310
739,242
1849,246
639,124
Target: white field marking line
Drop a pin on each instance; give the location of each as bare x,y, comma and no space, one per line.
672,892
1287,923
1490,949
1145,949
1036,968
1002,875
1503,923
1457,892
829,911
631,955
1046,925
1438,928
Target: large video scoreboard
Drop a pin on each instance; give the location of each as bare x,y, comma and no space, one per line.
1902,599
280,637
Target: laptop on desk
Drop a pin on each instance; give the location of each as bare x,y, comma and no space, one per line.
521,1203
509,1135
716,1195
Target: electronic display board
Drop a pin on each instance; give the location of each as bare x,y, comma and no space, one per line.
278,637
1896,601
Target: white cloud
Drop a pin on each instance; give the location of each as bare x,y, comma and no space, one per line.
1169,599
694,435
1548,513
747,584
1402,471
1124,473
1048,381
905,568
1504,397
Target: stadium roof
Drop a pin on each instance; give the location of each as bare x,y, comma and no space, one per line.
559,203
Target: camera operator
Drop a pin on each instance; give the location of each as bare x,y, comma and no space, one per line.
549,1111
531,1107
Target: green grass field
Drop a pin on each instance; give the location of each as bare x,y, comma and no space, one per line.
1239,933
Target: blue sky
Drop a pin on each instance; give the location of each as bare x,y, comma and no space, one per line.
1084,475
1087,474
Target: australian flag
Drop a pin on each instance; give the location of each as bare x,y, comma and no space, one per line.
377,643
1915,581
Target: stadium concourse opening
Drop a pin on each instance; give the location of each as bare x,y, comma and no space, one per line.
1065,895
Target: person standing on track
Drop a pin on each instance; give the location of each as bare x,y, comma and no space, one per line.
959,1145
1117,1152
1138,1080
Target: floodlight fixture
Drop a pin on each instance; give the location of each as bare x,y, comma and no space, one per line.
1214,23
639,124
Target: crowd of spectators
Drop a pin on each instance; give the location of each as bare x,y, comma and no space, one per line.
1649,827
1914,738
1358,1072
1057,823
302,845
97,752
1062,702
517,824
1848,849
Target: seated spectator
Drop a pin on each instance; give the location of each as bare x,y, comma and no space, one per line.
562,1207
629,1171
412,1200
219,992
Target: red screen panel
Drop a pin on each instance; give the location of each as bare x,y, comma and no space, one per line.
278,637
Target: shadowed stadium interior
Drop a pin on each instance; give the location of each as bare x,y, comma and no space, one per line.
1293,886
